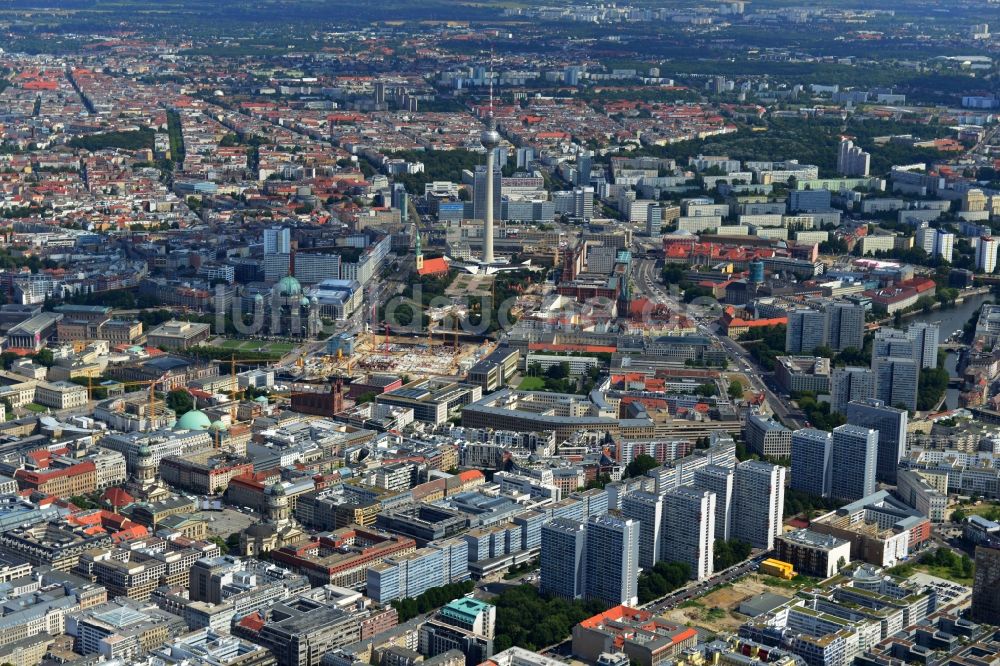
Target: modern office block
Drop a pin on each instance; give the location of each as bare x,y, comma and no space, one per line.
896,381
986,587
852,460
766,437
466,625
809,201
718,480
470,614
890,423
847,384
689,529
891,342
583,202
935,242
758,502
811,461
944,245
846,325
611,560
986,254
919,493
277,241
436,638
802,373
654,220
812,553
647,509
852,160
806,330
562,553
479,188
925,338
584,164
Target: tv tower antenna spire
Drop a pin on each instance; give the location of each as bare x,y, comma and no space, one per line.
489,139
490,115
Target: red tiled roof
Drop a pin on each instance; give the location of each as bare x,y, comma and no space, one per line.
616,614
434,266
130,533
254,622
117,497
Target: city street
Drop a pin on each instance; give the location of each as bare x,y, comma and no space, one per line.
648,282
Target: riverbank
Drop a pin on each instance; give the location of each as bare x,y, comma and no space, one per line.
937,305
953,319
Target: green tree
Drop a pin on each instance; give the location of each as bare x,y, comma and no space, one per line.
641,464
664,578
735,390
431,599
221,543
931,387
83,502
529,619
44,357
824,351
558,370
180,401
728,553
707,390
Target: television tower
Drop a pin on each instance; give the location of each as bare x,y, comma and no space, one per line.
490,139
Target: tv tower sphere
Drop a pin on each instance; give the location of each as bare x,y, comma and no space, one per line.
490,138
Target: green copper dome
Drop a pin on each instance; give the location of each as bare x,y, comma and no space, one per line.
289,286
193,420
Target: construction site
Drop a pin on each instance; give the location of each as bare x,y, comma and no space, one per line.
439,355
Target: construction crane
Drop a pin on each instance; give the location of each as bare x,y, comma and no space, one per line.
340,360
147,382
120,406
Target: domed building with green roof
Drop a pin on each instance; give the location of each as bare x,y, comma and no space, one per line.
289,286
288,311
193,420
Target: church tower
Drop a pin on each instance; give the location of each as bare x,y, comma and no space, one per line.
146,468
277,504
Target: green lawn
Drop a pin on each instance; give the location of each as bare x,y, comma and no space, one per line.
532,384
796,583
948,573
35,407
986,509
281,347
232,344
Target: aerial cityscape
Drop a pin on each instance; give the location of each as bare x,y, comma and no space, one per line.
499,333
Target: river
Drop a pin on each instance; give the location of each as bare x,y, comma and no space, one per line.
950,320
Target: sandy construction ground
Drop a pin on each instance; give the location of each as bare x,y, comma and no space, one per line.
717,610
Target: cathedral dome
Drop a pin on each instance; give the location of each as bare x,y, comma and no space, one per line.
193,420
289,286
